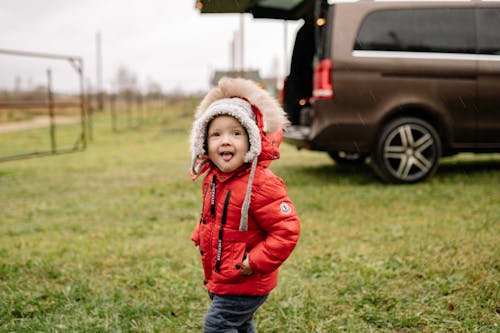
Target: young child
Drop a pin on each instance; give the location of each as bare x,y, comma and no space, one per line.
248,225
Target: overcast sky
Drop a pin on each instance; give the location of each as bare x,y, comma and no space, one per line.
165,41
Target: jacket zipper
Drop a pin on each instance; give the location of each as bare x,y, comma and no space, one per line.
212,199
221,232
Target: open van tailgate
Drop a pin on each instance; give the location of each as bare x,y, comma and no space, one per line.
270,9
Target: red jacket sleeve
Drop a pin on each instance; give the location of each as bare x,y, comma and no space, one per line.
276,214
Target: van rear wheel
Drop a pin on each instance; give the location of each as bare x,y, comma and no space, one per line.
407,151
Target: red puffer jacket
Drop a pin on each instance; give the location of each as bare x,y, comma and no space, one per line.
273,230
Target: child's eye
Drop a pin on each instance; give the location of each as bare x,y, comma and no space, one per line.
214,134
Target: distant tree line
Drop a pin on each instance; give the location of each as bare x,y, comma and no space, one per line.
125,85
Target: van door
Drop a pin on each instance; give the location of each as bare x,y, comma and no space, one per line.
411,56
488,116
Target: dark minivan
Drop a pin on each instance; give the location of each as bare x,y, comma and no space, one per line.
404,82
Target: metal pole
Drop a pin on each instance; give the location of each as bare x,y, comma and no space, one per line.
100,94
89,111
232,54
242,44
128,108
77,64
140,108
113,113
40,55
83,113
52,127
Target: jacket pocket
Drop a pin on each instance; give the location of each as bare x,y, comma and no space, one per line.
234,248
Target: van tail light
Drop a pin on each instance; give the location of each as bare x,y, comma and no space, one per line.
323,87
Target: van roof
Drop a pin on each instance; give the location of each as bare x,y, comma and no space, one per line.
379,4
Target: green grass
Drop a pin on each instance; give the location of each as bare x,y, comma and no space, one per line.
98,241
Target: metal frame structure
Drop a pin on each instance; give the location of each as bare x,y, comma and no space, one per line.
81,143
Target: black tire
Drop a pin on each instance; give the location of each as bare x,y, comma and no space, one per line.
343,158
407,151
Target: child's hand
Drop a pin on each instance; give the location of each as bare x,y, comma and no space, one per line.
245,266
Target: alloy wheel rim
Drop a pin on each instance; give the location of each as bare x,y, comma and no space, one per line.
409,152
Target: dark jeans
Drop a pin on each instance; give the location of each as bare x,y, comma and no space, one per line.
232,314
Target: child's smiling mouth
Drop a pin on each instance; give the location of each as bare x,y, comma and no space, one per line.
227,155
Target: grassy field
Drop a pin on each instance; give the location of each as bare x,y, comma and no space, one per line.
98,241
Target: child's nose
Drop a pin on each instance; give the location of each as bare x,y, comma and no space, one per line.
226,139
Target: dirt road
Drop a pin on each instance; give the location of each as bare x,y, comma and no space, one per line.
36,122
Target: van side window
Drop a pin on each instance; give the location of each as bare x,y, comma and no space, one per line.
445,30
489,31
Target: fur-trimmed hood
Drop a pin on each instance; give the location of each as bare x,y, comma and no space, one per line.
262,110
272,113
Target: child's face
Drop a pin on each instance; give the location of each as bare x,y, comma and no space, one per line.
227,143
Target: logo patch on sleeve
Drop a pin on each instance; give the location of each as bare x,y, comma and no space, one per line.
285,208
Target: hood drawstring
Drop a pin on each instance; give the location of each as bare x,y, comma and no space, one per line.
248,194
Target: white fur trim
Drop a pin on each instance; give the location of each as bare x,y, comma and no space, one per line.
272,113
235,107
